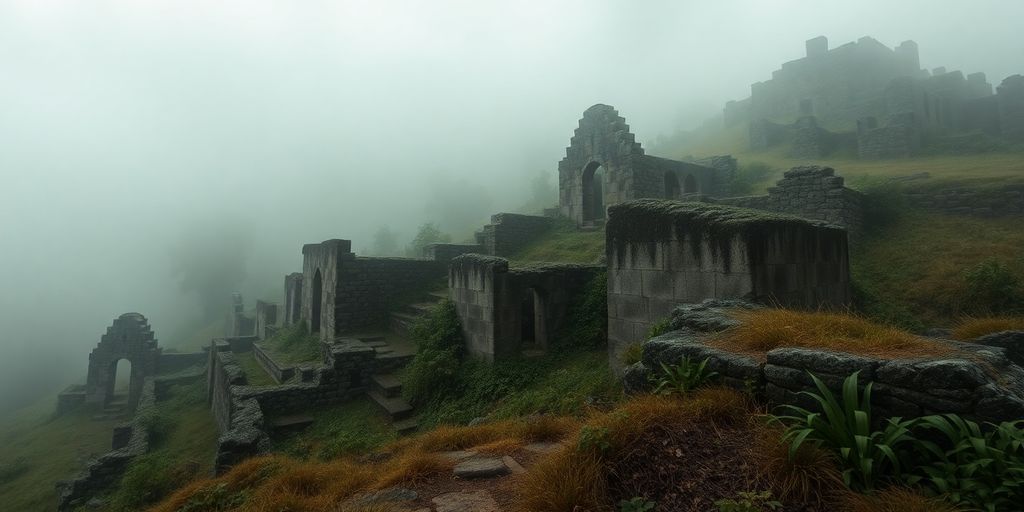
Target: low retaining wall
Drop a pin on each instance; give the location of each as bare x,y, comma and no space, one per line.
278,372
982,384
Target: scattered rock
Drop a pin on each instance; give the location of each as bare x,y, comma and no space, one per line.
513,465
483,467
476,501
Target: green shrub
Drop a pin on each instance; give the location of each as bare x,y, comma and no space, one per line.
588,316
746,176
658,328
844,427
157,425
682,378
438,337
149,478
594,439
11,470
294,344
749,502
992,288
636,504
984,470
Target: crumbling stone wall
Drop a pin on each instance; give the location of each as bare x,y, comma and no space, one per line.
977,381
489,298
664,253
899,138
508,233
266,319
357,292
238,323
445,252
129,337
292,298
811,192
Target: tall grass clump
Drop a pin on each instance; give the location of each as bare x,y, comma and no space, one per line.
294,344
992,288
766,329
971,328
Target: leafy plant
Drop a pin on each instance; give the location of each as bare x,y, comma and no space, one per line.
682,378
593,439
636,504
844,427
980,469
749,501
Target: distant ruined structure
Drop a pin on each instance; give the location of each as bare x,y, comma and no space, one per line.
875,100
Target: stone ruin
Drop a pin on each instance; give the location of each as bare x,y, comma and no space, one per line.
505,310
664,253
981,380
875,101
604,165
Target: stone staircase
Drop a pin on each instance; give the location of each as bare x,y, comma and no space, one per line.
385,385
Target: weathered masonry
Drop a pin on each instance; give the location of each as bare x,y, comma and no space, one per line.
504,310
342,292
664,253
604,165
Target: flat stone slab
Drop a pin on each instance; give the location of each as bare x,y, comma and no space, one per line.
483,467
476,501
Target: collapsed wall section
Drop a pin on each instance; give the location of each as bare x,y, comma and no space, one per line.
664,253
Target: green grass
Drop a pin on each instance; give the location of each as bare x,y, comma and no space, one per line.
254,372
355,426
292,345
54,449
183,452
916,263
556,383
564,244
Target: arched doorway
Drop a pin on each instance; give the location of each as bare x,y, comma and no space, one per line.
593,192
318,298
690,185
671,185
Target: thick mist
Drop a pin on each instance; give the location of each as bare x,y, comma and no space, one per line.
154,154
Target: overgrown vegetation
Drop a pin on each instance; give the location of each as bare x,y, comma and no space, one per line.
564,243
945,455
293,344
682,378
346,429
588,317
182,440
762,330
750,178
971,328
439,351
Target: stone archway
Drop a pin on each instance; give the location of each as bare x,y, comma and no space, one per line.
130,338
317,305
671,185
593,192
690,185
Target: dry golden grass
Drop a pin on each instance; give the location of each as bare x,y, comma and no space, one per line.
500,447
972,328
811,476
567,480
766,329
894,499
412,467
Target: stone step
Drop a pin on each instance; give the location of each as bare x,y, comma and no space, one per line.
405,427
396,408
370,338
420,308
388,384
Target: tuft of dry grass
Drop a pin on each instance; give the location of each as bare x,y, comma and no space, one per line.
565,480
810,476
413,467
500,447
971,328
766,329
894,499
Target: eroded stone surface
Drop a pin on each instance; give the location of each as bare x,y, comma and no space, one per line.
481,468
